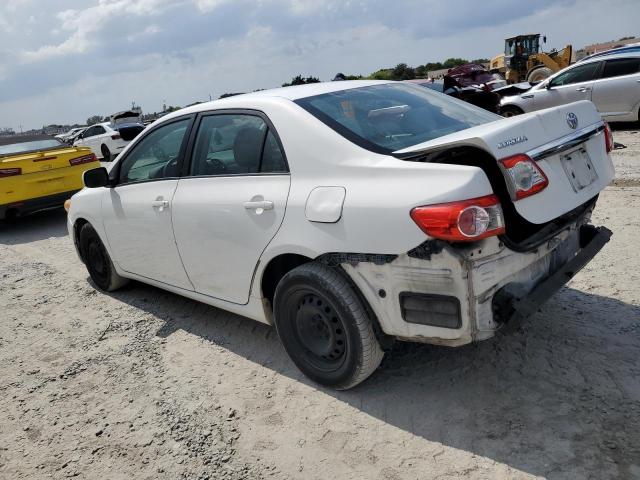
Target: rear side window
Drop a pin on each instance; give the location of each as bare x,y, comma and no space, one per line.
236,144
393,116
621,66
582,73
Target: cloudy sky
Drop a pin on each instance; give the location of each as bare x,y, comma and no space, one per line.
64,60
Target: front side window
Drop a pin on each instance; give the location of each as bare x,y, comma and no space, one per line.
621,66
157,155
393,116
582,73
236,144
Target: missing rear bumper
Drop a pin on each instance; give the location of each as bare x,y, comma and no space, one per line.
512,304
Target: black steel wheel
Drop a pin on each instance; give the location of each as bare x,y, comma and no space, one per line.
97,260
324,326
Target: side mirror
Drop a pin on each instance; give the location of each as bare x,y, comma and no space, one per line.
548,86
96,178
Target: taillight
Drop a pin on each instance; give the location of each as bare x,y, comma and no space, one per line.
608,137
524,177
463,221
115,137
10,172
84,159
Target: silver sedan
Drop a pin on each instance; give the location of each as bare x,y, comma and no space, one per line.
612,83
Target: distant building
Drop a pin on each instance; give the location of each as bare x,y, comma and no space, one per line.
601,47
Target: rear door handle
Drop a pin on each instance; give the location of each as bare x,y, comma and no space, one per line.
582,89
259,205
160,204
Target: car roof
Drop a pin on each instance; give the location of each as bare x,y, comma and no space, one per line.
609,56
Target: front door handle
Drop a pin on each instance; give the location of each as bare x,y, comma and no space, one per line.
160,204
582,89
259,206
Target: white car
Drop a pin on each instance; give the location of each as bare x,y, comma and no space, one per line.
350,214
107,140
65,137
611,82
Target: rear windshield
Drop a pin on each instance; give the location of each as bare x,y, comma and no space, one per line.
31,146
393,116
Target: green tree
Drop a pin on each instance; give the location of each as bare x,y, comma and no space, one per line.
402,71
454,62
480,61
300,80
92,120
382,74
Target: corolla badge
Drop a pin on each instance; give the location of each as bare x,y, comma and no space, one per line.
512,141
572,120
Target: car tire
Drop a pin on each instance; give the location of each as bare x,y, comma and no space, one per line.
98,261
325,327
106,153
510,111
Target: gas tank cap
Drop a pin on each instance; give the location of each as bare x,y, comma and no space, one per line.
324,204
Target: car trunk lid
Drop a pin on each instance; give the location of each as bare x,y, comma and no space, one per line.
566,142
40,161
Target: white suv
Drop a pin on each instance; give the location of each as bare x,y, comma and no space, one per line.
611,82
350,214
107,140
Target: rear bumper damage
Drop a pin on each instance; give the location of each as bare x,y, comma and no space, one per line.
447,295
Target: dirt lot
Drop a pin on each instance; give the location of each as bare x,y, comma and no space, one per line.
145,384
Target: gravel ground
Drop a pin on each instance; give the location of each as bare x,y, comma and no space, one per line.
145,384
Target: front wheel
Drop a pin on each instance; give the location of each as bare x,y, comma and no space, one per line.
325,327
98,262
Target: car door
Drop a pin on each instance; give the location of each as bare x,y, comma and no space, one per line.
232,202
572,85
617,91
137,212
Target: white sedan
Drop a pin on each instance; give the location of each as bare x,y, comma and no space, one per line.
107,140
351,214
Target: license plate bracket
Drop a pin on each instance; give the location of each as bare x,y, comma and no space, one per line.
579,169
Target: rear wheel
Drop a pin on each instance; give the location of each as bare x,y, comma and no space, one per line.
106,153
324,326
510,111
98,262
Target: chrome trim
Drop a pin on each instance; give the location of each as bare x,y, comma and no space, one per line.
567,142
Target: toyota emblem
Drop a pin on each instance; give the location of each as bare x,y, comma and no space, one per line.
572,120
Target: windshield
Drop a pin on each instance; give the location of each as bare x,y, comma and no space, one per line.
393,116
31,146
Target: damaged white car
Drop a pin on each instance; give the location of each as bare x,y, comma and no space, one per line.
351,214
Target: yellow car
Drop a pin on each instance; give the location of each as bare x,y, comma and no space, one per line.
38,172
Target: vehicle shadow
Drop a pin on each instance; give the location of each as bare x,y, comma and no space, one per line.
31,228
560,397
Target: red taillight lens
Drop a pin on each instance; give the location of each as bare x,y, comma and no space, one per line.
84,159
115,137
10,172
608,137
463,221
524,177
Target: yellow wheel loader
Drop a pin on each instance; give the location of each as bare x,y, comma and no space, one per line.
524,61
